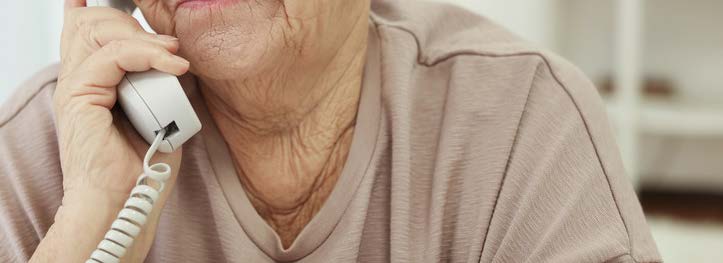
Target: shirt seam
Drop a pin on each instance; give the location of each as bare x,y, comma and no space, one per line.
25,104
558,81
597,151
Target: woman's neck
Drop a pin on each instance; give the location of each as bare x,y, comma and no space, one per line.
290,130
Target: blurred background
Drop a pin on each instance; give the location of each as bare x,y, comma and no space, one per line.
658,64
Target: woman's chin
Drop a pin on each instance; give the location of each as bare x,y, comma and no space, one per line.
228,42
228,63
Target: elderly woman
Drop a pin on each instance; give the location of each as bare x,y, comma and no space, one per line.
334,131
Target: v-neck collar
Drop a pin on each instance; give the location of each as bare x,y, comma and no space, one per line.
323,223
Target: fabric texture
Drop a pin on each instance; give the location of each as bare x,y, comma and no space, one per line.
470,146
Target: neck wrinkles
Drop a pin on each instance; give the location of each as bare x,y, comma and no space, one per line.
289,131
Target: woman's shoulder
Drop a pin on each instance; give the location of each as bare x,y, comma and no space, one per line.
28,138
30,173
471,49
32,99
458,54
27,127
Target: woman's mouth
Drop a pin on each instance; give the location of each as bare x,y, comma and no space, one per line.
204,3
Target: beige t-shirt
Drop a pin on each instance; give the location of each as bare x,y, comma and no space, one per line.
470,146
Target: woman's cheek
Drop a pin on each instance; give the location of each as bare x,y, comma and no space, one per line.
226,52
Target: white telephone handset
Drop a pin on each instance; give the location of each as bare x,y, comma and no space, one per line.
161,113
154,100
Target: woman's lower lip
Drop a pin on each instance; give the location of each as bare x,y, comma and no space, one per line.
204,3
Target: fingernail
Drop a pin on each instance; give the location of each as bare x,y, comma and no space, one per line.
168,38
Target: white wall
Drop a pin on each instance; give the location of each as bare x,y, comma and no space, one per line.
684,39
29,40
534,20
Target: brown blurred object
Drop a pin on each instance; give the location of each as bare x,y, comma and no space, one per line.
687,206
652,87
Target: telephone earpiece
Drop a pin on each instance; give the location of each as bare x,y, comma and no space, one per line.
154,100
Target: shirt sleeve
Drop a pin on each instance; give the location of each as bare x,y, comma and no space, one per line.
30,174
565,196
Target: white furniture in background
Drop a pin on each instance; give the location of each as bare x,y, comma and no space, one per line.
614,28
673,143
628,81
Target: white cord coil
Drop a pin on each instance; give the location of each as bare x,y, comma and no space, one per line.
136,210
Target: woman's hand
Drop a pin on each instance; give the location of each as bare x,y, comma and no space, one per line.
101,153
98,46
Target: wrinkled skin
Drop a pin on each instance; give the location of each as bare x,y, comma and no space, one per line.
281,79
248,38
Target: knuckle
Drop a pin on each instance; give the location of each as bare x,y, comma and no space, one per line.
118,14
139,33
89,27
71,14
90,32
120,50
85,32
156,52
114,46
80,23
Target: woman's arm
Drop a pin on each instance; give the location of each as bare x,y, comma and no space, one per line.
80,224
101,155
565,196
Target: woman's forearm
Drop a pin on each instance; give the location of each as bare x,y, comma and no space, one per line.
80,224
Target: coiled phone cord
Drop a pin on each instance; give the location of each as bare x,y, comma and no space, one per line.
138,207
